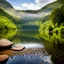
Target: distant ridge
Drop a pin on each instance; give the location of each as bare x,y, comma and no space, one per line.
47,8
4,4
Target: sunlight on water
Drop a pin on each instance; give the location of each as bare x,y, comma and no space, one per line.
31,45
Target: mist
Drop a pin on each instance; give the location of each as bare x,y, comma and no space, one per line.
24,16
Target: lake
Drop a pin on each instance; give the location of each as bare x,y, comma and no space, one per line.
37,50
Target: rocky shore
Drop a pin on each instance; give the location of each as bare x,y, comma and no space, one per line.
6,44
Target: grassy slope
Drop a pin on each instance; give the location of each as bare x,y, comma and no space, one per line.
7,26
10,11
47,8
50,7
6,21
2,12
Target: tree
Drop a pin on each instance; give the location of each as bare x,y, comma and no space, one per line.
62,1
57,15
62,8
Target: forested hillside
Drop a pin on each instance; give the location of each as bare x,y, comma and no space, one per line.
4,4
54,26
6,21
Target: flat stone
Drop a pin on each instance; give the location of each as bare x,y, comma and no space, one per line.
18,48
3,57
5,43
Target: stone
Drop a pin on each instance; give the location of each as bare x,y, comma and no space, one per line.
5,43
18,48
3,57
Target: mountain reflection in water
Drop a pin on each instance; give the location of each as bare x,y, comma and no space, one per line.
39,50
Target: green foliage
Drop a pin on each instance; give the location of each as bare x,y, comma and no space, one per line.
62,1
62,8
49,32
4,13
57,16
54,28
6,21
45,31
10,11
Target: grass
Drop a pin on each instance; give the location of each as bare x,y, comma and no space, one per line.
50,34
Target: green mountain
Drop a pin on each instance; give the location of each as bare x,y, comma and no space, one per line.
4,4
7,9
4,13
51,6
23,18
47,9
6,21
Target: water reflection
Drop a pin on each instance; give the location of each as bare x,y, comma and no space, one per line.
25,36
33,54
30,45
59,33
29,59
56,49
54,44
30,55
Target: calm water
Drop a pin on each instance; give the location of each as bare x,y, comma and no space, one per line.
37,50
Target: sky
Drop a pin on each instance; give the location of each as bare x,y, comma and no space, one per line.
29,4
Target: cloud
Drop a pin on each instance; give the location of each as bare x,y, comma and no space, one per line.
30,6
34,6
18,7
41,1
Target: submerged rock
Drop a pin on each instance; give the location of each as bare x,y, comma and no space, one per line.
18,48
3,57
5,43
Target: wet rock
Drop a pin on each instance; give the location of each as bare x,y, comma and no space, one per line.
5,43
3,57
18,48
